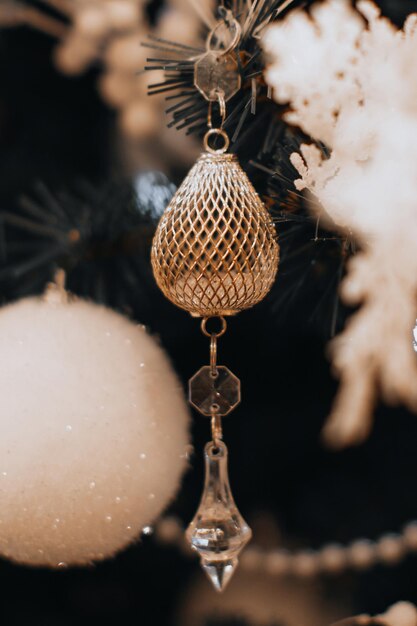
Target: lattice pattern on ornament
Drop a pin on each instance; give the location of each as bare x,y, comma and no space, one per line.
215,250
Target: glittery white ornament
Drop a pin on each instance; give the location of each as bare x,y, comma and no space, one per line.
93,431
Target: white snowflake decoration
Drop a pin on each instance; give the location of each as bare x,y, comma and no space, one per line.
350,79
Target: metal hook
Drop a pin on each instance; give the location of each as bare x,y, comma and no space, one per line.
222,109
231,23
216,428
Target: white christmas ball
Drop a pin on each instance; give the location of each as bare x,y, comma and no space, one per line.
93,432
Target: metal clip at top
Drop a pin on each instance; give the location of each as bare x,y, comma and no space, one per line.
217,71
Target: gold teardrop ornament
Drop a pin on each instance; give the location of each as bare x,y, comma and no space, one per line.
215,253
215,250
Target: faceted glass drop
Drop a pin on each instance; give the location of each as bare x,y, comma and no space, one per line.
218,532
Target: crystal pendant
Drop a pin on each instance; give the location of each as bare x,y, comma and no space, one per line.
214,393
218,532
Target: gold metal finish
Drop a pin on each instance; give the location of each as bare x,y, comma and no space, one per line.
216,429
214,390
215,251
217,71
232,25
55,293
216,420
220,333
222,108
216,132
213,355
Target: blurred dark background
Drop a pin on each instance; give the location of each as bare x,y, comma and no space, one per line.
57,130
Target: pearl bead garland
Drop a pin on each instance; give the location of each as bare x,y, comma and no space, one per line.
331,559
400,614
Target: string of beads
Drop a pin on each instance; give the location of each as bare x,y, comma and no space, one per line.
331,559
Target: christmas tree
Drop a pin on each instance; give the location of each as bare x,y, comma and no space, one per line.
101,119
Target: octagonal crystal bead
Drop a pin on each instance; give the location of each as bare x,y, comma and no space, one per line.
216,72
215,392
